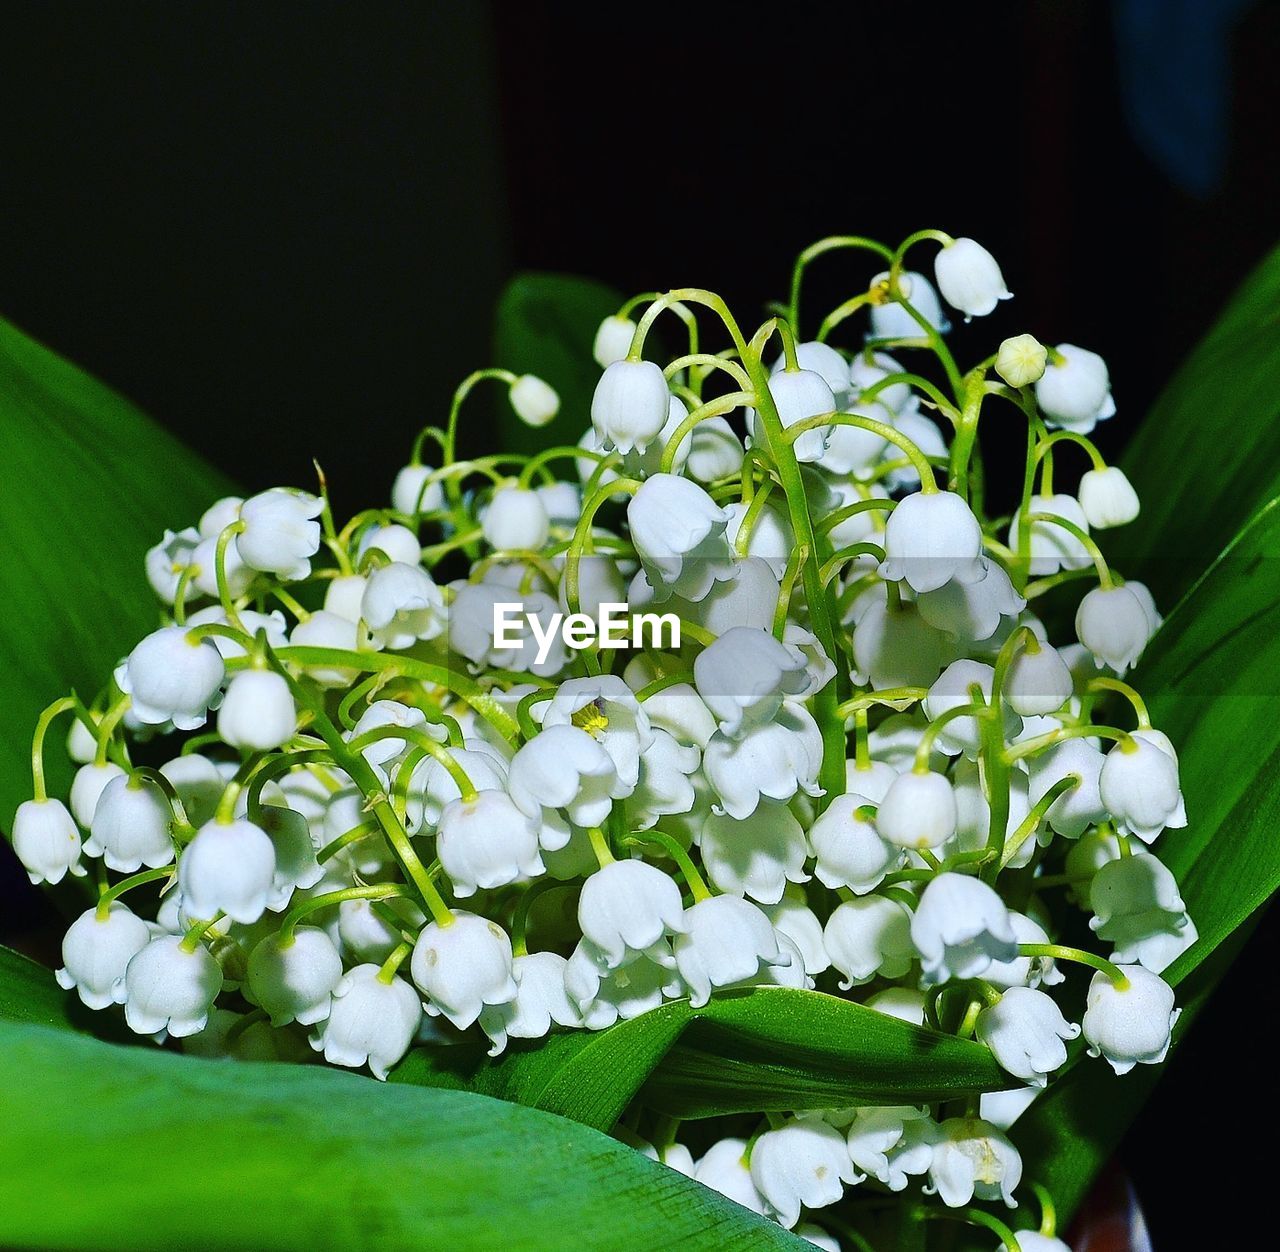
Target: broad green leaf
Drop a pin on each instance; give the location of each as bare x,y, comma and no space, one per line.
772,1048
87,485
1212,678
1207,456
545,325
29,994
135,1148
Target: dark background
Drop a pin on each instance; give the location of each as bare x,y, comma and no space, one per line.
281,230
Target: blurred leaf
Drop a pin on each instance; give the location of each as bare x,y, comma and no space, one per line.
87,484
136,1148
1207,456
1212,678
545,325
772,1048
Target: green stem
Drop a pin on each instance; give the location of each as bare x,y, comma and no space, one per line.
63,705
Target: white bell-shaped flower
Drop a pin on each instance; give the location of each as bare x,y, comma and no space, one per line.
679,535
969,278
715,451
797,925
402,604
204,572
971,612
280,534
612,340
803,1164
645,463
931,539
462,967
535,402
1137,907
131,825
297,868
1080,806
168,989
892,1144
855,450
395,542
1113,624
771,538
563,767
371,1022
867,368
725,1168
918,811
607,709
46,841
295,982
169,560
904,1003
170,677
385,752
625,910
630,404
1107,497
725,940
229,867
432,786
895,647
871,781
775,761
1139,786
971,1158
867,937
199,784
849,849
821,359
87,787
953,689
367,935
1074,392
1003,1108
891,321
327,630
270,624
96,951
798,395
744,675
516,518
664,787
1034,1241
414,492
1025,1031
1037,683
257,712
1025,971
1052,547
487,842
1021,360
1130,1025
960,927
755,855
606,996
541,1001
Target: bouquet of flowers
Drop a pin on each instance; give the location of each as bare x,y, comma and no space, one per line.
745,694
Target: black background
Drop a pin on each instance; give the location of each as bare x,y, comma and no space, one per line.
281,230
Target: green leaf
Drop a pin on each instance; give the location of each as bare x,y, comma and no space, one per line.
545,325
1212,675
87,484
1207,456
768,1049
136,1148
29,994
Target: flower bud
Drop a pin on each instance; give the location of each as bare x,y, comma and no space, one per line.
613,340
1021,360
1107,497
1037,683
258,712
413,492
516,519
534,401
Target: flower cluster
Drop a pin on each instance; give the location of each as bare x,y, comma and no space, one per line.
867,765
